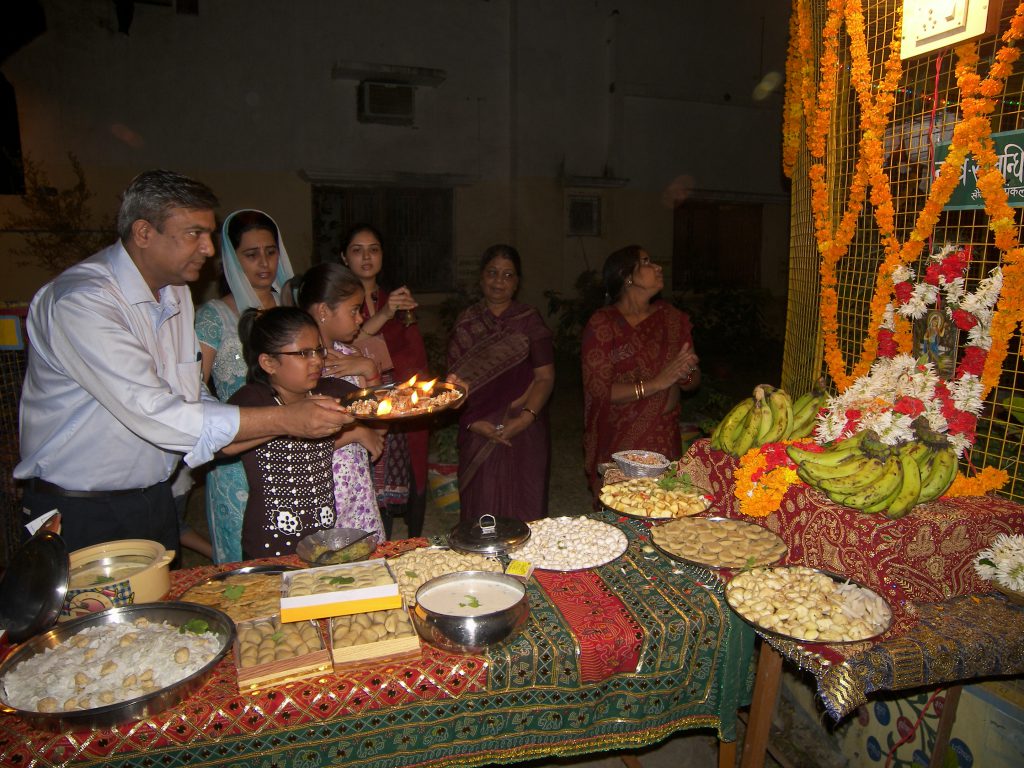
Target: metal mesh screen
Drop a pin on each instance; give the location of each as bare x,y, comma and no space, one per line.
927,106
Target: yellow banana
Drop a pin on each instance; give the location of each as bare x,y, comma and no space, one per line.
781,406
747,435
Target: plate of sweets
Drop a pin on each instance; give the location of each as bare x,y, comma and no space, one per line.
648,498
407,400
718,542
808,605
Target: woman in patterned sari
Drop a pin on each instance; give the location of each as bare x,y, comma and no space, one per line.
503,351
637,357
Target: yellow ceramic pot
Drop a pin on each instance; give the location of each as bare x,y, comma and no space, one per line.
117,573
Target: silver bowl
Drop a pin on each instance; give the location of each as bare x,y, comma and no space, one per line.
462,626
175,613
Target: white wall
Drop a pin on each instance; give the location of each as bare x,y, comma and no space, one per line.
242,96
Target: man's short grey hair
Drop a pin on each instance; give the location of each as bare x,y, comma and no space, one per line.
152,194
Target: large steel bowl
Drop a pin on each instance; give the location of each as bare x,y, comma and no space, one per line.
175,613
469,634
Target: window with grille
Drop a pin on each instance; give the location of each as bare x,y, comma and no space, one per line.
415,222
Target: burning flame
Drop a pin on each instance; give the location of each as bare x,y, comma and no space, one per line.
384,407
411,382
415,398
427,386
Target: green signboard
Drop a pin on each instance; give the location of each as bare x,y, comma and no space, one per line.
1009,146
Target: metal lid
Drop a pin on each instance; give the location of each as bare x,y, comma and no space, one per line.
33,588
489,535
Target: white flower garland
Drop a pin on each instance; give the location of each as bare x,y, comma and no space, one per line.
1003,562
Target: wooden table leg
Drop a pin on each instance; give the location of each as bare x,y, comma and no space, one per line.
726,754
762,707
945,726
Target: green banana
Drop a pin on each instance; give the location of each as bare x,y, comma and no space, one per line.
747,434
938,474
910,489
767,416
853,463
873,471
832,454
878,489
729,423
802,402
781,406
919,450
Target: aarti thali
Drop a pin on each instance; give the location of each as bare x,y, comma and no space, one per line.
407,400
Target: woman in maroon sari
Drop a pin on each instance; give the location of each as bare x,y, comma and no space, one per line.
503,351
400,476
637,356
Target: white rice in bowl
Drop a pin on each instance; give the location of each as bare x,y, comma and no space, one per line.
106,664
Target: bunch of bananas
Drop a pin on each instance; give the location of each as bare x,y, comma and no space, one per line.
864,473
768,416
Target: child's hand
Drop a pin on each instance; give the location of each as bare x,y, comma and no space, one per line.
371,440
337,365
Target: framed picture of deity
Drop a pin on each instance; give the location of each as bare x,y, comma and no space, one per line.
935,341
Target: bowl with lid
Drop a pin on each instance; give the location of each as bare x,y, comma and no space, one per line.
469,611
116,573
488,535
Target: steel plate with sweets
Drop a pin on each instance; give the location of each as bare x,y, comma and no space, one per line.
252,592
718,542
650,499
808,605
407,400
571,544
117,665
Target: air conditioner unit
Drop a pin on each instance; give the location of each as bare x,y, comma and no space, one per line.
391,103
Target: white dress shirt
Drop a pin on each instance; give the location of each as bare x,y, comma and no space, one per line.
113,396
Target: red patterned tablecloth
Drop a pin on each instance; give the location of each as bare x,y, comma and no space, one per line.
925,556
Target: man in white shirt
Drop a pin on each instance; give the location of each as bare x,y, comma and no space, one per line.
113,396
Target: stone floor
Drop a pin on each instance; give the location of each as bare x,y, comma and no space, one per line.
568,496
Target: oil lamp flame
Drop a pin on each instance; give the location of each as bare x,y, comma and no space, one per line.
427,386
415,398
411,382
384,407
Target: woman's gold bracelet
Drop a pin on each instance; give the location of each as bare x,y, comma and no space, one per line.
531,412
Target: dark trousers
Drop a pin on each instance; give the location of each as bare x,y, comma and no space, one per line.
145,514
413,511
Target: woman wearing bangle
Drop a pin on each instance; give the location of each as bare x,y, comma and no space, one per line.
503,350
637,357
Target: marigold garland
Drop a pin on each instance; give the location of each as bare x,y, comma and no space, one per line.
762,478
971,135
988,479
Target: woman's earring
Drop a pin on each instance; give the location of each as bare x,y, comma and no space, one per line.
629,281
323,318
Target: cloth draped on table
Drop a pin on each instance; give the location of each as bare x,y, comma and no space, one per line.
614,352
616,658
497,357
217,327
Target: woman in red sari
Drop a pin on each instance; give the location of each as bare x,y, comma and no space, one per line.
637,356
400,476
503,351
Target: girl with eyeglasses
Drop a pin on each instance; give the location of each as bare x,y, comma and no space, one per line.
291,485
333,297
256,267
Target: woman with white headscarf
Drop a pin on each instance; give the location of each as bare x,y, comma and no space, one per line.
256,266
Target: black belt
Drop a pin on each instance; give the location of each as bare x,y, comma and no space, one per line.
41,486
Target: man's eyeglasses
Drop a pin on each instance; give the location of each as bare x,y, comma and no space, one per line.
309,353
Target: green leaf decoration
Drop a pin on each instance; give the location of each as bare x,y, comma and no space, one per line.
1015,405
338,580
194,626
234,591
277,637
412,574
675,482
471,602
